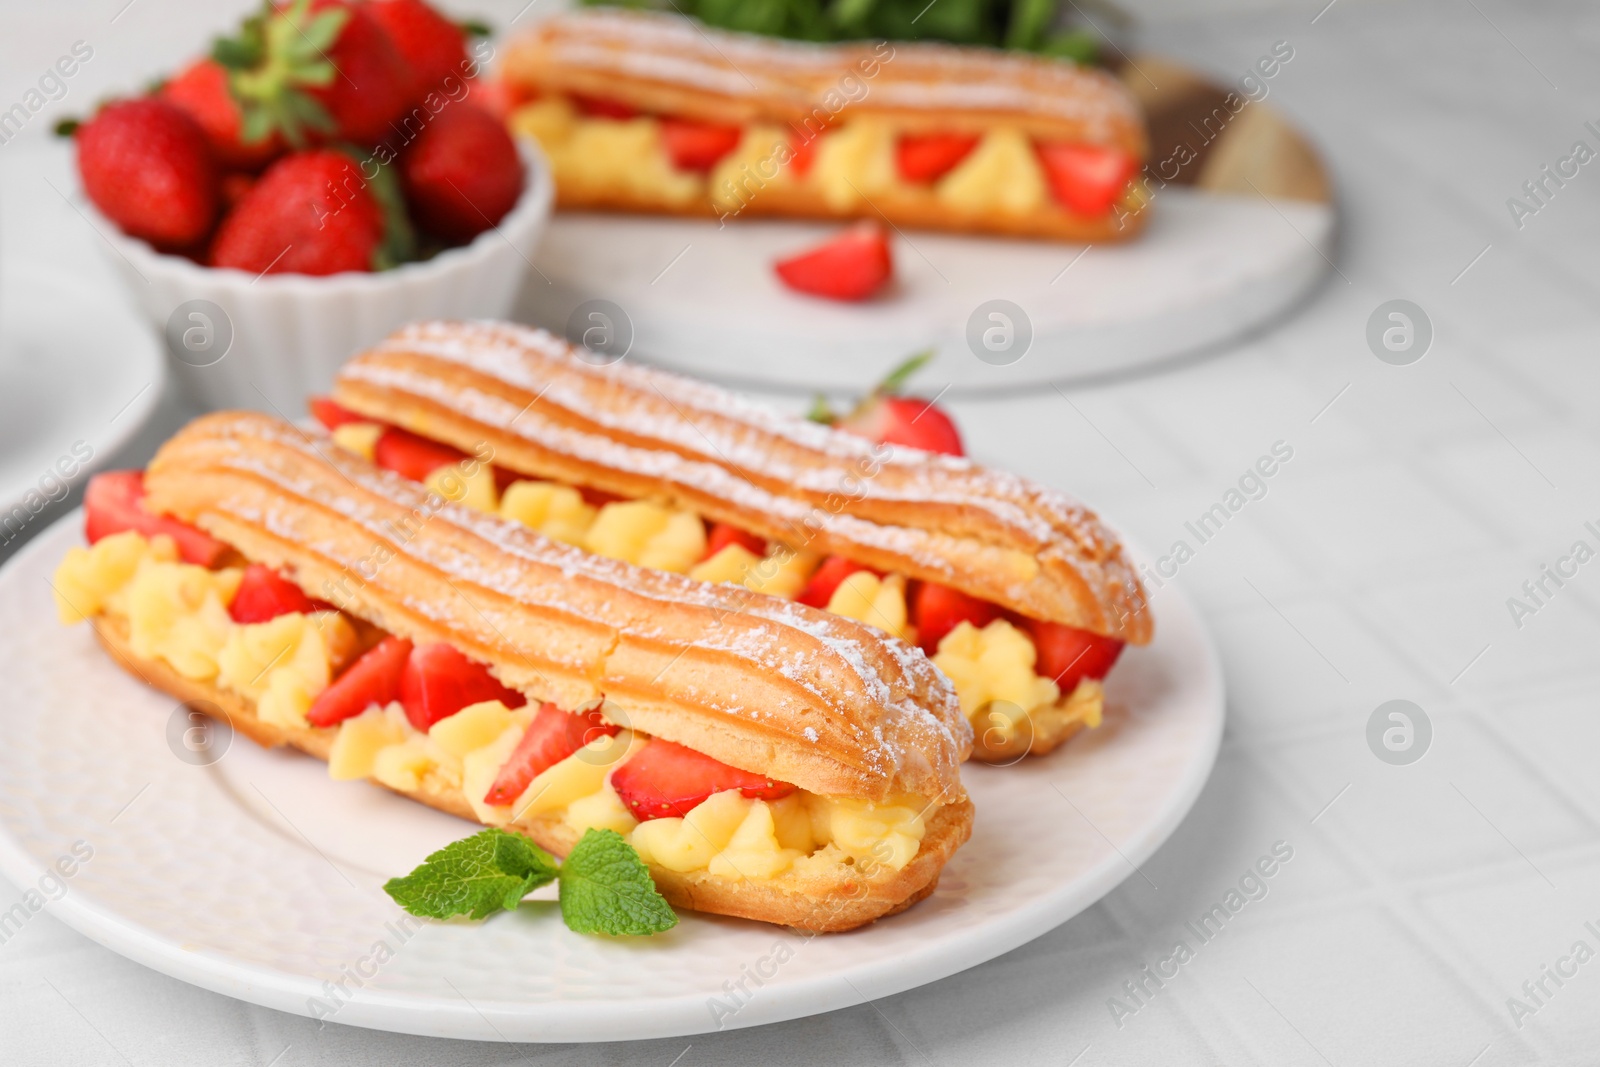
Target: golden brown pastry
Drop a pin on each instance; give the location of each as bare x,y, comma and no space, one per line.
654,112
1041,592
831,750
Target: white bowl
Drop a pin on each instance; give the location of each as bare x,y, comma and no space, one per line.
267,342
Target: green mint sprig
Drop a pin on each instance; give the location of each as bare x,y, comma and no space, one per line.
605,887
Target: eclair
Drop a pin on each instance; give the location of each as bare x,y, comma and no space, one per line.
1018,593
653,112
766,759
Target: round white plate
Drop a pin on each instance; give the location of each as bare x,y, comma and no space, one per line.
80,373
705,300
259,877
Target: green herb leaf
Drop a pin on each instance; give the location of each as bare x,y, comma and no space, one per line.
488,872
896,379
475,28
821,411
606,889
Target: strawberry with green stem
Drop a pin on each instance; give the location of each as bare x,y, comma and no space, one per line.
316,70
885,415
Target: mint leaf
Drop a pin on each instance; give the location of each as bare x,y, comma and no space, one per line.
488,872
606,889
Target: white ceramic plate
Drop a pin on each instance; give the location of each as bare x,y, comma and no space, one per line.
704,300
259,877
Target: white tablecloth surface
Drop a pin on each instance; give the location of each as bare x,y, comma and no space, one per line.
1378,566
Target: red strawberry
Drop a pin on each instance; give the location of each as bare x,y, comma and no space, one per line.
309,214
201,90
439,681
937,609
235,185
147,166
884,415
330,414
372,679
414,457
264,594
803,150
664,779
433,47
599,107
825,580
1070,655
496,96
552,736
1087,179
462,174
929,157
114,502
724,534
698,145
907,421
317,68
851,266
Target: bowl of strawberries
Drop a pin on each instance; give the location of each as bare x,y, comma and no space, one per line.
334,169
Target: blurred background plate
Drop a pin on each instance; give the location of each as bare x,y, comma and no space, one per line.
1242,233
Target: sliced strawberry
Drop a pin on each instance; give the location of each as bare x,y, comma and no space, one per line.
598,107
802,150
372,679
597,498
724,534
928,158
665,779
698,145
114,502
496,96
851,266
905,420
937,609
265,594
552,736
439,681
820,589
1069,655
1087,179
415,457
332,415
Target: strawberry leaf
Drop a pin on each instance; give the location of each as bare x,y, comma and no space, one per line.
896,379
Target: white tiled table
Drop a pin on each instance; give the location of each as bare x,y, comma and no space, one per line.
1418,898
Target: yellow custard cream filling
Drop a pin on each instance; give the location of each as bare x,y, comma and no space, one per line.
854,162
994,664
729,835
178,612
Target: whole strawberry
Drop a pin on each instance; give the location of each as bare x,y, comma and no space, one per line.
884,415
432,46
462,174
201,90
147,167
310,213
317,70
